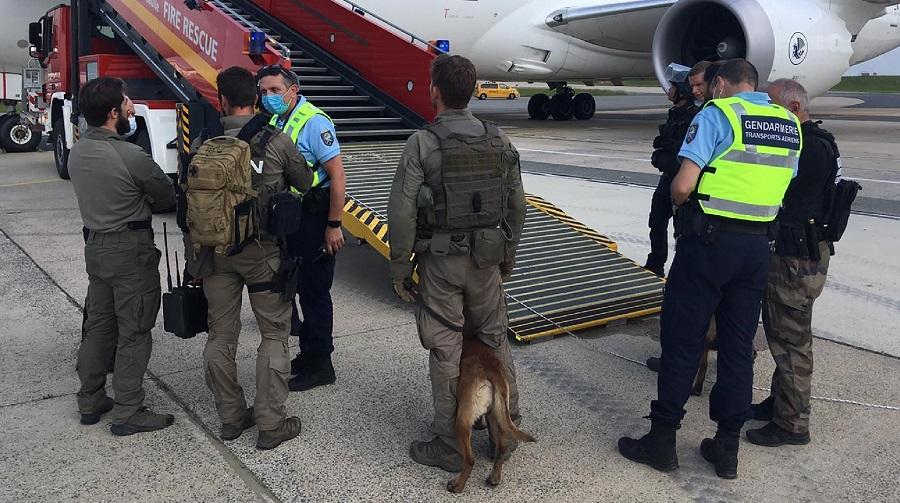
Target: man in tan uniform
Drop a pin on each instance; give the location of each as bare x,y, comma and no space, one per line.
224,278
118,186
457,203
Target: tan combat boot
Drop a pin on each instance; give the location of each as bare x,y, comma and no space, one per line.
270,439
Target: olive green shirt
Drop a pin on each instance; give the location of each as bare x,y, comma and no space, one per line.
422,154
116,182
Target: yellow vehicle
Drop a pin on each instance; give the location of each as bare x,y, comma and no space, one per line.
487,90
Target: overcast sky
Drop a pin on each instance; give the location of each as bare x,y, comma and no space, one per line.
886,64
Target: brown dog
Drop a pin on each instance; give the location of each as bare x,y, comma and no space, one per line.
709,345
483,390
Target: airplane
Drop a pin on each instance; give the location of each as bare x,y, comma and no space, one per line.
564,41
14,26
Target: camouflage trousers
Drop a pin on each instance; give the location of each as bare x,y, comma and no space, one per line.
794,285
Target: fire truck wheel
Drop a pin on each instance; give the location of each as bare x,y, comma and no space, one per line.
60,151
17,137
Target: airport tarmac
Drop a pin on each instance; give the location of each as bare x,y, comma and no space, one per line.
577,397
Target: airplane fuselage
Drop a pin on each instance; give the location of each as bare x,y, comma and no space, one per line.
510,39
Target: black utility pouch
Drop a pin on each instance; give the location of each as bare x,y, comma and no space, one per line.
317,200
287,277
185,311
284,213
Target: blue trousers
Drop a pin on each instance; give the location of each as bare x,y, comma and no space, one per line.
314,289
727,278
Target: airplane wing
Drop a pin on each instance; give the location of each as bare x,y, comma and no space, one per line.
625,25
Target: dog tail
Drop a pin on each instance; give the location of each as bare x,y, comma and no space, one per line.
507,426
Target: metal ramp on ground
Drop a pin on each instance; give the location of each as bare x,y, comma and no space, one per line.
568,277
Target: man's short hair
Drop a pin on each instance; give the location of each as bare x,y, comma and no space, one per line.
709,74
698,68
790,90
455,77
288,76
739,71
238,85
98,96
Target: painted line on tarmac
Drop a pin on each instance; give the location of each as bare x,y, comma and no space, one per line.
600,156
893,182
33,182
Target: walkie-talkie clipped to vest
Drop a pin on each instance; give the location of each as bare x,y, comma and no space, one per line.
184,306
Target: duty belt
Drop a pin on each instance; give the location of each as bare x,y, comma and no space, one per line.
740,227
137,225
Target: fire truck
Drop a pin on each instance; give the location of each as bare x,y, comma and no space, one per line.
368,75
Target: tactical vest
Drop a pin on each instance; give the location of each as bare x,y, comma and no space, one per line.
802,204
294,125
748,180
676,126
469,190
671,137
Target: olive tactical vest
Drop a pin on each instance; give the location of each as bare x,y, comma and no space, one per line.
469,190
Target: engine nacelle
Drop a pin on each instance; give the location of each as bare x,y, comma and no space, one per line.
798,40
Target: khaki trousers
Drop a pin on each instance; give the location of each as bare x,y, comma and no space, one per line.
256,264
462,294
121,307
794,285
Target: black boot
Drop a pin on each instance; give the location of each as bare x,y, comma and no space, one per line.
772,435
299,364
763,411
722,452
656,448
317,372
654,363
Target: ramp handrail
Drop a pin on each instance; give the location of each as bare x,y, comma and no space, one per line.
283,49
413,38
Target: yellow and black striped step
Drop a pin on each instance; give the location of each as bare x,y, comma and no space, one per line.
568,276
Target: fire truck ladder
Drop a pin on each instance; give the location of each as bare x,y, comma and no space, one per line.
359,110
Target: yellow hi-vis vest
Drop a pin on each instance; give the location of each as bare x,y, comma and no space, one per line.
748,180
292,128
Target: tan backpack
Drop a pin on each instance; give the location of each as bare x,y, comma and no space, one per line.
221,204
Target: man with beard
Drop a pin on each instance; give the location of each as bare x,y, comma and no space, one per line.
118,187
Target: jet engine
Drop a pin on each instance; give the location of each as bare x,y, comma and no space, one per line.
800,39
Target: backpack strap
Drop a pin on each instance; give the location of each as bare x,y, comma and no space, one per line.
253,127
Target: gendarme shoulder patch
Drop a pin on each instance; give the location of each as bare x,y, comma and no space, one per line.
692,133
327,138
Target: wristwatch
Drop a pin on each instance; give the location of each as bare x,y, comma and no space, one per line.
334,224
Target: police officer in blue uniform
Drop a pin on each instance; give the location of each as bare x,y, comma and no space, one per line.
320,236
738,159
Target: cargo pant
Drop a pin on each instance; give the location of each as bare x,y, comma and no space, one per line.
122,304
462,294
256,265
794,285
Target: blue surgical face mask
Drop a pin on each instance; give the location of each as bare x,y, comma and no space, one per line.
132,127
275,103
